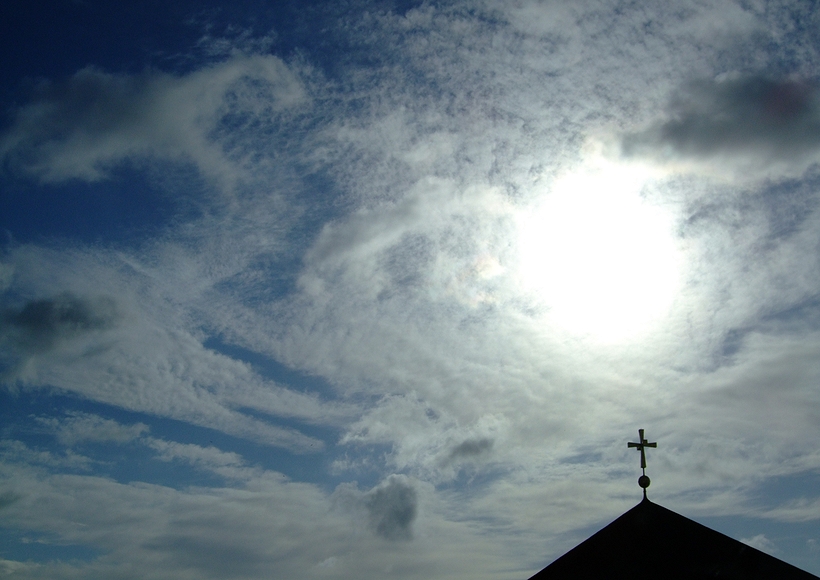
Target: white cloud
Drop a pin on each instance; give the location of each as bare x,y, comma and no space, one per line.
150,362
18,452
209,458
403,301
11,567
87,125
762,543
270,524
82,427
407,294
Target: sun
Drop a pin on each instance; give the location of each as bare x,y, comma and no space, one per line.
602,260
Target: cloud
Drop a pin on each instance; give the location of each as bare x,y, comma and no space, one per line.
10,568
471,448
803,509
737,119
86,125
18,452
41,324
403,303
389,509
392,508
151,357
86,427
81,427
228,464
7,498
762,543
265,526
217,532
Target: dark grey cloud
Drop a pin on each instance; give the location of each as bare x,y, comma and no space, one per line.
392,508
736,115
7,498
40,324
471,448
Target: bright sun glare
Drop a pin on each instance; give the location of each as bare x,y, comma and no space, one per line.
602,259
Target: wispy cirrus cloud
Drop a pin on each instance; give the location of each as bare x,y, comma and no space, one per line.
72,341
373,246
86,427
86,125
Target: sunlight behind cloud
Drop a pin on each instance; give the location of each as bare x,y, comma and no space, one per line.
343,290
601,258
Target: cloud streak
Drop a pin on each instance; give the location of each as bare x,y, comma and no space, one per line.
85,427
85,126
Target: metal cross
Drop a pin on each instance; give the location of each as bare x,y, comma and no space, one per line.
640,447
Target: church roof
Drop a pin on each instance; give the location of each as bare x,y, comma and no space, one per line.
650,541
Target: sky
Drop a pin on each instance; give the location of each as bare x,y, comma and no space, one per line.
373,289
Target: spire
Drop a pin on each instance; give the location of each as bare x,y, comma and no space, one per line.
643,480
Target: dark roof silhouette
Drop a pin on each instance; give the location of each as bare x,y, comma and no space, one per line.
652,542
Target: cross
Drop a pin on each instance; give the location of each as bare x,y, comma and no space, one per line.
640,447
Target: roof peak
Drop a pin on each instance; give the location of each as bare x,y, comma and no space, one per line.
671,546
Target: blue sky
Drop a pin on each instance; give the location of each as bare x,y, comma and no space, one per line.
373,289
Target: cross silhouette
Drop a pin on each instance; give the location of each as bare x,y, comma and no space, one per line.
643,443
